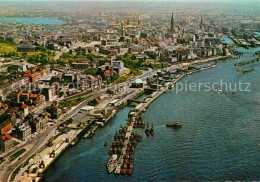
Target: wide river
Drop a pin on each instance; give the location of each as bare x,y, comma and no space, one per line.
219,140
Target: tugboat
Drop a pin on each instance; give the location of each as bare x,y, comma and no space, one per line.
112,164
139,137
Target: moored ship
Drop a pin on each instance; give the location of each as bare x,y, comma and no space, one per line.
112,164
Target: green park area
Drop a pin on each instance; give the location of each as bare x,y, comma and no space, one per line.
15,143
41,55
7,47
17,154
127,74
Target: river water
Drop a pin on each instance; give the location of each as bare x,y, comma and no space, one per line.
219,140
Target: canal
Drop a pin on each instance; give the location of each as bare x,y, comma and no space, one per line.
219,140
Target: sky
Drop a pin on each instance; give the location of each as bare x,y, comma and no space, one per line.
142,0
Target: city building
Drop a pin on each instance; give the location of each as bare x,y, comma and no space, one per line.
6,143
24,131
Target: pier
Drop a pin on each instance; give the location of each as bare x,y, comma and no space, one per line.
121,158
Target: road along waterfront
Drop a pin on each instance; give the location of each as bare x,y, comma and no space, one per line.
219,139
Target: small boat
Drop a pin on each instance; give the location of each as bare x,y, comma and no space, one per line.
139,138
174,125
105,144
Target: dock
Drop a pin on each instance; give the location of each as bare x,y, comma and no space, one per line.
123,153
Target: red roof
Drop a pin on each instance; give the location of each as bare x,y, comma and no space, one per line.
6,137
12,114
24,106
5,105
107,72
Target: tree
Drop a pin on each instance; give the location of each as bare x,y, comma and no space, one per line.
70,120
91,71
110,92
133,57
61,94
70,51
24,54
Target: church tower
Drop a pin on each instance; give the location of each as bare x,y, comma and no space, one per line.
122,33
172,24
201,23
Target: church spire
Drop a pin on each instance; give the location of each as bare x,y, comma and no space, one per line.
201,23
122,32
172,24
122,29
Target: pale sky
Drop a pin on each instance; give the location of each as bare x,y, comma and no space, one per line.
142,0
